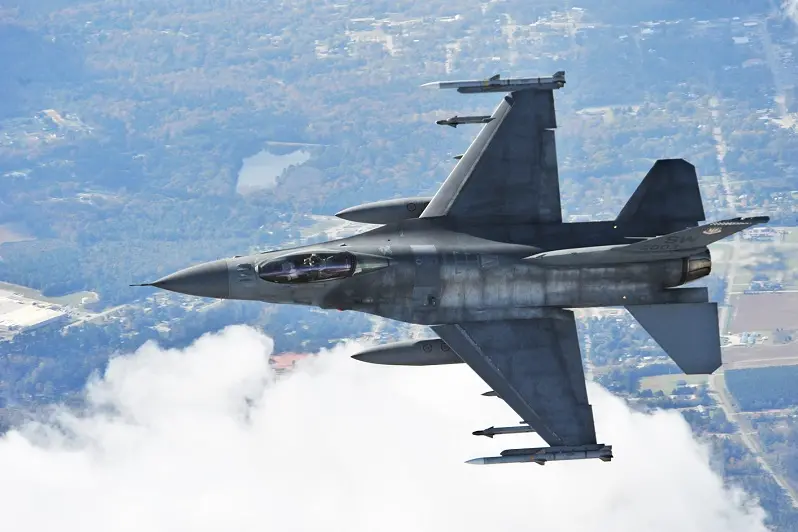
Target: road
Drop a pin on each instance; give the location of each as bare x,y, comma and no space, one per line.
786,119
748,435
717,381
87,317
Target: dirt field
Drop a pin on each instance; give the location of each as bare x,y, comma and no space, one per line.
760,356
666,383
764,312
10,234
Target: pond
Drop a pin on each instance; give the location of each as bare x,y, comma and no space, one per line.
260,172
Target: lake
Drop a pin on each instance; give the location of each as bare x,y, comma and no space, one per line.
260,172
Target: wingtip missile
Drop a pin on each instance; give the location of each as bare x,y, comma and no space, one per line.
490,460
541,455
496,84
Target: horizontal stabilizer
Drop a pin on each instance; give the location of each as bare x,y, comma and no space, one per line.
680,244
687,332
694,238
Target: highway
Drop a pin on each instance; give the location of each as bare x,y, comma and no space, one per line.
717,382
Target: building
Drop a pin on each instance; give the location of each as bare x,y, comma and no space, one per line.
19,313
286,361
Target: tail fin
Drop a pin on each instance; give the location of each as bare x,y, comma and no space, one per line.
687,332
667,200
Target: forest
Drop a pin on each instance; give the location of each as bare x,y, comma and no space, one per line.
46,365
172,95
764,388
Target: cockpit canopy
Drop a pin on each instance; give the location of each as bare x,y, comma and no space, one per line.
308,267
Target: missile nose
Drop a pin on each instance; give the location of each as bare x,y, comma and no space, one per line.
205,280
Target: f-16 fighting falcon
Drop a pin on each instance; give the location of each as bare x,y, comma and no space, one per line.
488,264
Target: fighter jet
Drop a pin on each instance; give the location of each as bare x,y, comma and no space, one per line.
489,265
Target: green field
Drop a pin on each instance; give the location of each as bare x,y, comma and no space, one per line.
666,383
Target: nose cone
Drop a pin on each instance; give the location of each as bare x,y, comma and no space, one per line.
205,280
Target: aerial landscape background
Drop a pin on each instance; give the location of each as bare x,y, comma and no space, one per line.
138,137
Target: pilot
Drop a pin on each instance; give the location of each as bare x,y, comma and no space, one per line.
290,270
313,260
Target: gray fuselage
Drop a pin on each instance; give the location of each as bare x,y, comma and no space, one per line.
425,273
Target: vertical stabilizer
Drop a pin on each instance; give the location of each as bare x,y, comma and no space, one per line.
687,332
668,199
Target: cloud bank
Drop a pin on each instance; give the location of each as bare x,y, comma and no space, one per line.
204,439
790,9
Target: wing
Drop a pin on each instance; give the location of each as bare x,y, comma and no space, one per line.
509,173
536,367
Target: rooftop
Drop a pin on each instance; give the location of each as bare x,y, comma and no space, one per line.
20,312
286,360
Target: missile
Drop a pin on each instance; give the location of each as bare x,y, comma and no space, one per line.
491,460
493,431
496,84
457,120
541,455
430,352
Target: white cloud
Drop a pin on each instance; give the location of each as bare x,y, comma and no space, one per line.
790,8
170,444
